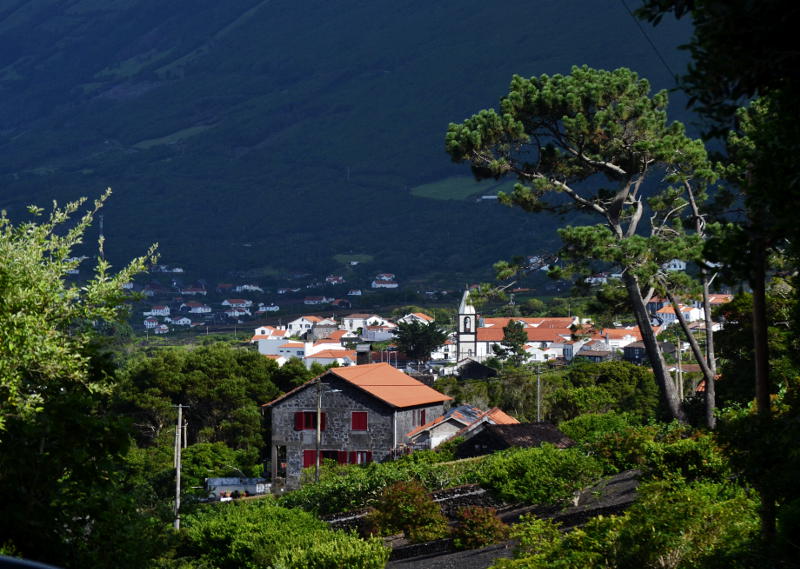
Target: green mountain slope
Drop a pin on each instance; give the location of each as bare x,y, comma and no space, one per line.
271,133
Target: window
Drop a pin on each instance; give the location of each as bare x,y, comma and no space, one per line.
358,421
419,417
360,456
307,420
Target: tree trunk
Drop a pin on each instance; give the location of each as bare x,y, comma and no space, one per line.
669,396
711,358
708,374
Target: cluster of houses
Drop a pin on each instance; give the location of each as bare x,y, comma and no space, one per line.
362,412
375,412
326,340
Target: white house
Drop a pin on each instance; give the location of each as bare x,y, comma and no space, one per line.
248,288
237,303
195,307
292,350
353,322
690,314
384,283
236,312
674,265
420,317
180,320
161,329
150,322
193,291
312,300
271,307
328,357
158,310
334,279
354,292
302,324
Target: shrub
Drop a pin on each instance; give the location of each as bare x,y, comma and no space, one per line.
589,427
478,526
408,508
342,551
544,475
258,534
345,488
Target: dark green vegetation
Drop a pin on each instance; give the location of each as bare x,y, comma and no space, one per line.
247,122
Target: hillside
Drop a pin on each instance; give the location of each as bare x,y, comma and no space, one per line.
276,135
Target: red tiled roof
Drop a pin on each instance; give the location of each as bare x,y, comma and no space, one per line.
390,385
383,382
334,354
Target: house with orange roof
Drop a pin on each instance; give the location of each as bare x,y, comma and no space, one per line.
690,313
302,324
365,413
291,350
353,322
331,356
455,422
420,317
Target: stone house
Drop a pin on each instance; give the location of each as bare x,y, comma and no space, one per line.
366,413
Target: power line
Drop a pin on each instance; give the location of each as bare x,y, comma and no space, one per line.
650,41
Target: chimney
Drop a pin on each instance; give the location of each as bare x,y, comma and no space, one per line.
362,354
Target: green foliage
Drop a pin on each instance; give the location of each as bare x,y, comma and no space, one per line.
351,487
543,475
62,447
340,551
258,534
661,451
512,347
222,386
673,525
477,527
734,343
407,507
589,427
568,403
418,340
631,387
46,324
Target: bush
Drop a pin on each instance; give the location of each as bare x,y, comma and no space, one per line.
673,525
258,534
477,527
408,508
662,451
342,551
589,427
346,488
544,475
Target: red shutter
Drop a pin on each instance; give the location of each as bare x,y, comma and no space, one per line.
342,457
422,417
369,457
358,421
299,421
353,457
322,422
309,458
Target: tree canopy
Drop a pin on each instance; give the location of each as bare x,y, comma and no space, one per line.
46,321
595,141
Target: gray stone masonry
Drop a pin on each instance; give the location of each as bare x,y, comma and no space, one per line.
386,425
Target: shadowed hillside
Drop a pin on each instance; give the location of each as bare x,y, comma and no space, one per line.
256,133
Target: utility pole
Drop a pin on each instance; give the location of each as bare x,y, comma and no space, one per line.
538,393
177,461
319,429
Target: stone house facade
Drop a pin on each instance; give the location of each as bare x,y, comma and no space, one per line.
366,412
